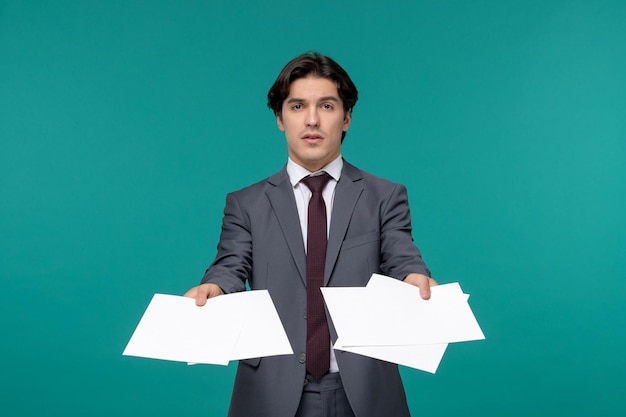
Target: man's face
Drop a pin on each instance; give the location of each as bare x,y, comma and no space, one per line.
313,120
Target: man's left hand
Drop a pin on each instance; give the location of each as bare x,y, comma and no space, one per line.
423,282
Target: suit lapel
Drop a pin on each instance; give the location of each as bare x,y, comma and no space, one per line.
347,193
284,205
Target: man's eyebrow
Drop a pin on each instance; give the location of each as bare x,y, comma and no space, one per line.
326,98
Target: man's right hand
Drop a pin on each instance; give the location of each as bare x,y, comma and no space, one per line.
203,292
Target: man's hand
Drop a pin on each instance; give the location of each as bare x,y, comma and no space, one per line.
423,282
203,292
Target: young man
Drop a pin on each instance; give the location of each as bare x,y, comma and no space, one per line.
271,238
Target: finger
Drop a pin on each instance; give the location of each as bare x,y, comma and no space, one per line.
202,293
425,290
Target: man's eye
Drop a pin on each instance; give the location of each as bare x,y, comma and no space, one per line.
296,106
327,106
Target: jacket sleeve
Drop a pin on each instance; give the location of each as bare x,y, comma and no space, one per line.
233,262
399,255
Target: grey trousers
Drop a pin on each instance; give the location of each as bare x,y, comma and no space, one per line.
324,398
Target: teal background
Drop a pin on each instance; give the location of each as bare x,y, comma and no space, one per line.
124,123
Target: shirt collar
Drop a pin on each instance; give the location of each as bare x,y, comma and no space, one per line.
297,172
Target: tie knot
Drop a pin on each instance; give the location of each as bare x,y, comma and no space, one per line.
316,183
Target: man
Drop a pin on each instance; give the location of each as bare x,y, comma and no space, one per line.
269,238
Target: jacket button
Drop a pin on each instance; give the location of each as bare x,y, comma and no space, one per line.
302,358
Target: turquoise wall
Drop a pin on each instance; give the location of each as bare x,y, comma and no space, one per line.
124,123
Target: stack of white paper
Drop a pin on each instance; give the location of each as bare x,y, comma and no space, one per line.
229,327
388,320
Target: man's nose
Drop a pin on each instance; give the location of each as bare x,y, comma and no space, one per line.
312,119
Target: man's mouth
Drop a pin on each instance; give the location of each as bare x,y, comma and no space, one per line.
312,138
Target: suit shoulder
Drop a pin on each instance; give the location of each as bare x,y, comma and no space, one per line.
379,180
258,188
371,180
259,185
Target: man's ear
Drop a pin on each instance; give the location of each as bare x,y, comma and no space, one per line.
279,122
347,119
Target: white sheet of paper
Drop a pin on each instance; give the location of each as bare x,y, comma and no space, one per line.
424,357
228,327
391,312
262,333
174,328
388,320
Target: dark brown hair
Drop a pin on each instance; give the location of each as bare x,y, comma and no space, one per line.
311,63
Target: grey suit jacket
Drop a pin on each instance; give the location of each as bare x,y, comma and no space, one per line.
261,242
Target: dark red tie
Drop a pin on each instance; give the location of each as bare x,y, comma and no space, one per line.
317,335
